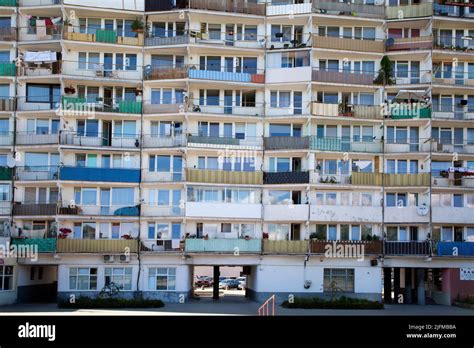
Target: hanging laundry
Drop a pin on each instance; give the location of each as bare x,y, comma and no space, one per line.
42,56
48,22
40,29
32,22
57,20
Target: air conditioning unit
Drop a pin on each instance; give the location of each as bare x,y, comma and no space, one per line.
109,258
124,258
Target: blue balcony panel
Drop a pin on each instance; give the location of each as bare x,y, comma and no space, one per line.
100,174
219,75
455,249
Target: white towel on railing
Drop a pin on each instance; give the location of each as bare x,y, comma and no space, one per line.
41,28
42,56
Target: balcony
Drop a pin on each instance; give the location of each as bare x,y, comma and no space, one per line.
223,246
6,139
99,174
224,177
335,8
409,11
99,140
106,36
99,246
409,43
149,107
160,245
155,141
391,180
153,176
7,34
453,43
338,213
165,73
286,143
163,211
281,75
348,44
406,215
456,182
416,248
36,173
411,77
285,8
286,212
34,209
454,249
401,146
450,215
285,247
33,138
30,34
452,112
7,104
7,69
32,103
221,210
223,141
5,208
101,72
275,178
354,248
40,70
43,245
408,112
100,210
443,146
75,104
6,173
455,9
176,39
322,178
232,6
220,74
224,107
372,112
343,77
345,145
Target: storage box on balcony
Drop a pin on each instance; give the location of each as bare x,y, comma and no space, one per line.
100,174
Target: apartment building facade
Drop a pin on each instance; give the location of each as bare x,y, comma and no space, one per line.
322,146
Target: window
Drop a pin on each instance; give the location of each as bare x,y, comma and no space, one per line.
120,276
6,278
341,279
161,279
226,228
122,196
37,93
82,278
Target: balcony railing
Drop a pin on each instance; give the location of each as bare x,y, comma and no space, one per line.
7,104
131,141
6,138
345,144
409,11
6,173
150,107
343,77
157,141
355,248
30,34
34,209
100,246
454,112
285,246
86,34
44,245
391,180
31,3
33,138
7,34
163,211
158,245
459,9
100,210
408,111
99,174
453,146
100,71
224,107
223,245
73,104
7,69
272,178
5,207
43,69
420,248
286,143
409,43
236,6
165,73
335,7
454,249
330,178
349,44
371,112
458,43
224,177
36,173
8,3
199,140
155,176
176,39
412,77
38,103
453,78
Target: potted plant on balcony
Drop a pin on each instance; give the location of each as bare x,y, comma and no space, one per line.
69,90
127,237
138,26
247,237
206,237
265,235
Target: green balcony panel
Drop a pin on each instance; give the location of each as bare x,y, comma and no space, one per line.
11,3
421,113
74,103
7,69
130,107
45,245
223,245
106,36
326,144
6,173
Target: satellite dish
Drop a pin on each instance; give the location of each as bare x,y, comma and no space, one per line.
422,211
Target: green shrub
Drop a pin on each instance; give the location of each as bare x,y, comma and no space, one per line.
86,302
342,302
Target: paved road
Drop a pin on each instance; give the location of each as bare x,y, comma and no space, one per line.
230,305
